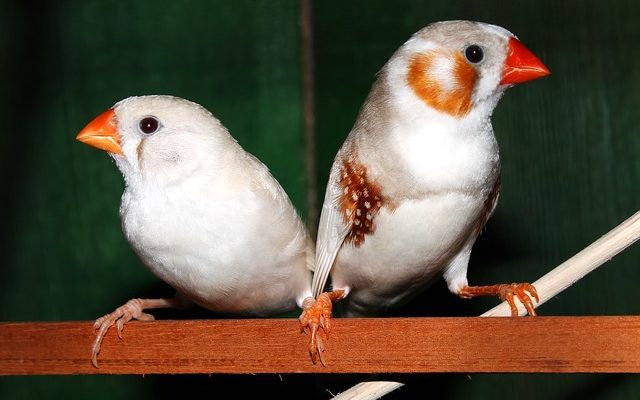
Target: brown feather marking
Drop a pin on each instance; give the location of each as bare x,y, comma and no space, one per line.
455,102
140,152
489,206
360,201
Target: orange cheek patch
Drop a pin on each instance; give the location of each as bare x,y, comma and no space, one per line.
360,202
427,85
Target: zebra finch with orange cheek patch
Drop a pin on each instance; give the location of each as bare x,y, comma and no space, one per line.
419,175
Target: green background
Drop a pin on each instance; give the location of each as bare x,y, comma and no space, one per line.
569,146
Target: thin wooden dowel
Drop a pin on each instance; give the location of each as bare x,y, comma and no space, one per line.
369,390
575,268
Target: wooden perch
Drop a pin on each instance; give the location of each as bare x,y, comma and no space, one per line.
543,344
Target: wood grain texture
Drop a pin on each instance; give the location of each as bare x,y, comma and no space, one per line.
398,345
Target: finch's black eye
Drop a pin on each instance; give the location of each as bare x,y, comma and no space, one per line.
474,53
149,125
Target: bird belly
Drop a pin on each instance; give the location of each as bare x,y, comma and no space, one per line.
242,267
409,247
236,286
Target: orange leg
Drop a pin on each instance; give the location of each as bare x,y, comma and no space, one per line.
505,292
133,309
317,314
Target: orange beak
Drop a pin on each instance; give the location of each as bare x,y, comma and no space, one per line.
521,65
102,133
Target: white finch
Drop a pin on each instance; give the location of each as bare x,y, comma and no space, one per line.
201,213
419,174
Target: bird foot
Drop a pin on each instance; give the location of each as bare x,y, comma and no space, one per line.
317,315
133,309
506,292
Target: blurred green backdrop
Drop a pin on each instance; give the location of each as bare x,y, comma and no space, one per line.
569,146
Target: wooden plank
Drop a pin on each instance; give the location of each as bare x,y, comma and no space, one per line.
398,345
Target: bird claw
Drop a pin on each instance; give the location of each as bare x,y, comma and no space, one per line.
506,292
520,290
317,316
133,309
